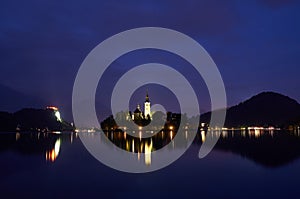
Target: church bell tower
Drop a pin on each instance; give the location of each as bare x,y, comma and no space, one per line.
147,109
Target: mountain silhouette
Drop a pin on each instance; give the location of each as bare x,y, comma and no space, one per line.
30,119
264,109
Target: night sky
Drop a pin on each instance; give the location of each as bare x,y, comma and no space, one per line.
255,44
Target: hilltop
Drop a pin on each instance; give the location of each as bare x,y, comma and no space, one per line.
30,119
264,109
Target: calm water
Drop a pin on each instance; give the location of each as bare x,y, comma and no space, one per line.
243,165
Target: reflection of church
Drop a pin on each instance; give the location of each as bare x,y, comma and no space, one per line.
138,115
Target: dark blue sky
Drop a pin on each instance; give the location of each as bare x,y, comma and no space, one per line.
255,44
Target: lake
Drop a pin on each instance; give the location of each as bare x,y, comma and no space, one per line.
244,164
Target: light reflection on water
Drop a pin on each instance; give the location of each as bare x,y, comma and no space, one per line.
52,154
239,142
46,144
241,159
242,142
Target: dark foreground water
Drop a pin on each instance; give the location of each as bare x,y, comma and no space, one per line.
243,165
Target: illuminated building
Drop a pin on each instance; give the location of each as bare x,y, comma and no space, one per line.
139,115
147,109
56,112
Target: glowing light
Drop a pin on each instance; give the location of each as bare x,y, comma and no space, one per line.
52,108
148,149
127,145
18,135
53,154
132,146
91,130
56,112
57,115
139,155
224,134
203,137
140,135
257,133
171,127
57,147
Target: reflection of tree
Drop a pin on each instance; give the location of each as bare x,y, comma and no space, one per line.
136,144
270,149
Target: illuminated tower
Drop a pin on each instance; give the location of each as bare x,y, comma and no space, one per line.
147,110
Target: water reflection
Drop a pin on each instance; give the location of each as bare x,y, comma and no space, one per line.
250,133
46,145
148,150
138,144
269,148
52,154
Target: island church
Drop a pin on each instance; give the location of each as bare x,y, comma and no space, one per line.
138,115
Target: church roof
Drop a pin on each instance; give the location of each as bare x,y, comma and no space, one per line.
138,109
147,97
